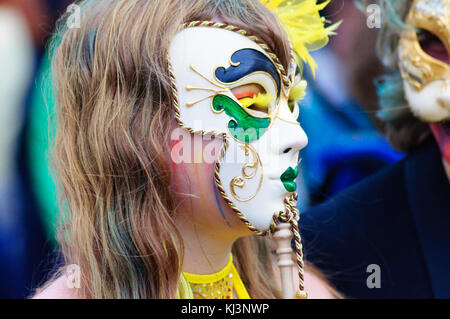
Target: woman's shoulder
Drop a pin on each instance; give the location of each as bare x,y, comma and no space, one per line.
58,288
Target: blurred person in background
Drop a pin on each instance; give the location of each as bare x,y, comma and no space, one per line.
24,27
39,134
16,63
388,236
345,145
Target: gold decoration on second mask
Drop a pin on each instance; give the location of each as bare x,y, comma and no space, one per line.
416,66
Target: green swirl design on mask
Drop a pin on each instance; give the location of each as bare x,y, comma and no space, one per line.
243,127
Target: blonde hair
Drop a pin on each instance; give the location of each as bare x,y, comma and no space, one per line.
114,113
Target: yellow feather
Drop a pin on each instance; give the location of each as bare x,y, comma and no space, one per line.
262,100
304,25
298,92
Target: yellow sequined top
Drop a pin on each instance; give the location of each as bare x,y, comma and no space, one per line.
219,285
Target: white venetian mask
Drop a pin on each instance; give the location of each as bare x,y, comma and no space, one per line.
258,164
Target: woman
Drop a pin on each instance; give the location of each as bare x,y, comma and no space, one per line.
156,125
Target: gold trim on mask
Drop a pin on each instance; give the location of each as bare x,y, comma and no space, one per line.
239,181
272,114
416,66
223,89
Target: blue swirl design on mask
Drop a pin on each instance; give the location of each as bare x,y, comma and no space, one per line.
250,60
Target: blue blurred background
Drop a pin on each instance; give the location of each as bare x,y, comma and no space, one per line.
338,114
346,141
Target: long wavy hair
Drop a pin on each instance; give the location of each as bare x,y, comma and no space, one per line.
403,129
111,152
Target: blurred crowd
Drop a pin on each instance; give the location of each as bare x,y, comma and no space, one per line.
345,139
27,243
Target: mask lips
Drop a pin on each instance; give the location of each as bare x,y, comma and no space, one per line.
288,179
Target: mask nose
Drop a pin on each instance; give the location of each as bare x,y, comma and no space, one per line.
294,139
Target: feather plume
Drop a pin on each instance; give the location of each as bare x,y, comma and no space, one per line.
261,99
304,26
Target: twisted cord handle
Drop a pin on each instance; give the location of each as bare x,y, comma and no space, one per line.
279,228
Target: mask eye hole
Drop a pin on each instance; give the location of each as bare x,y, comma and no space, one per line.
254,97
433,46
